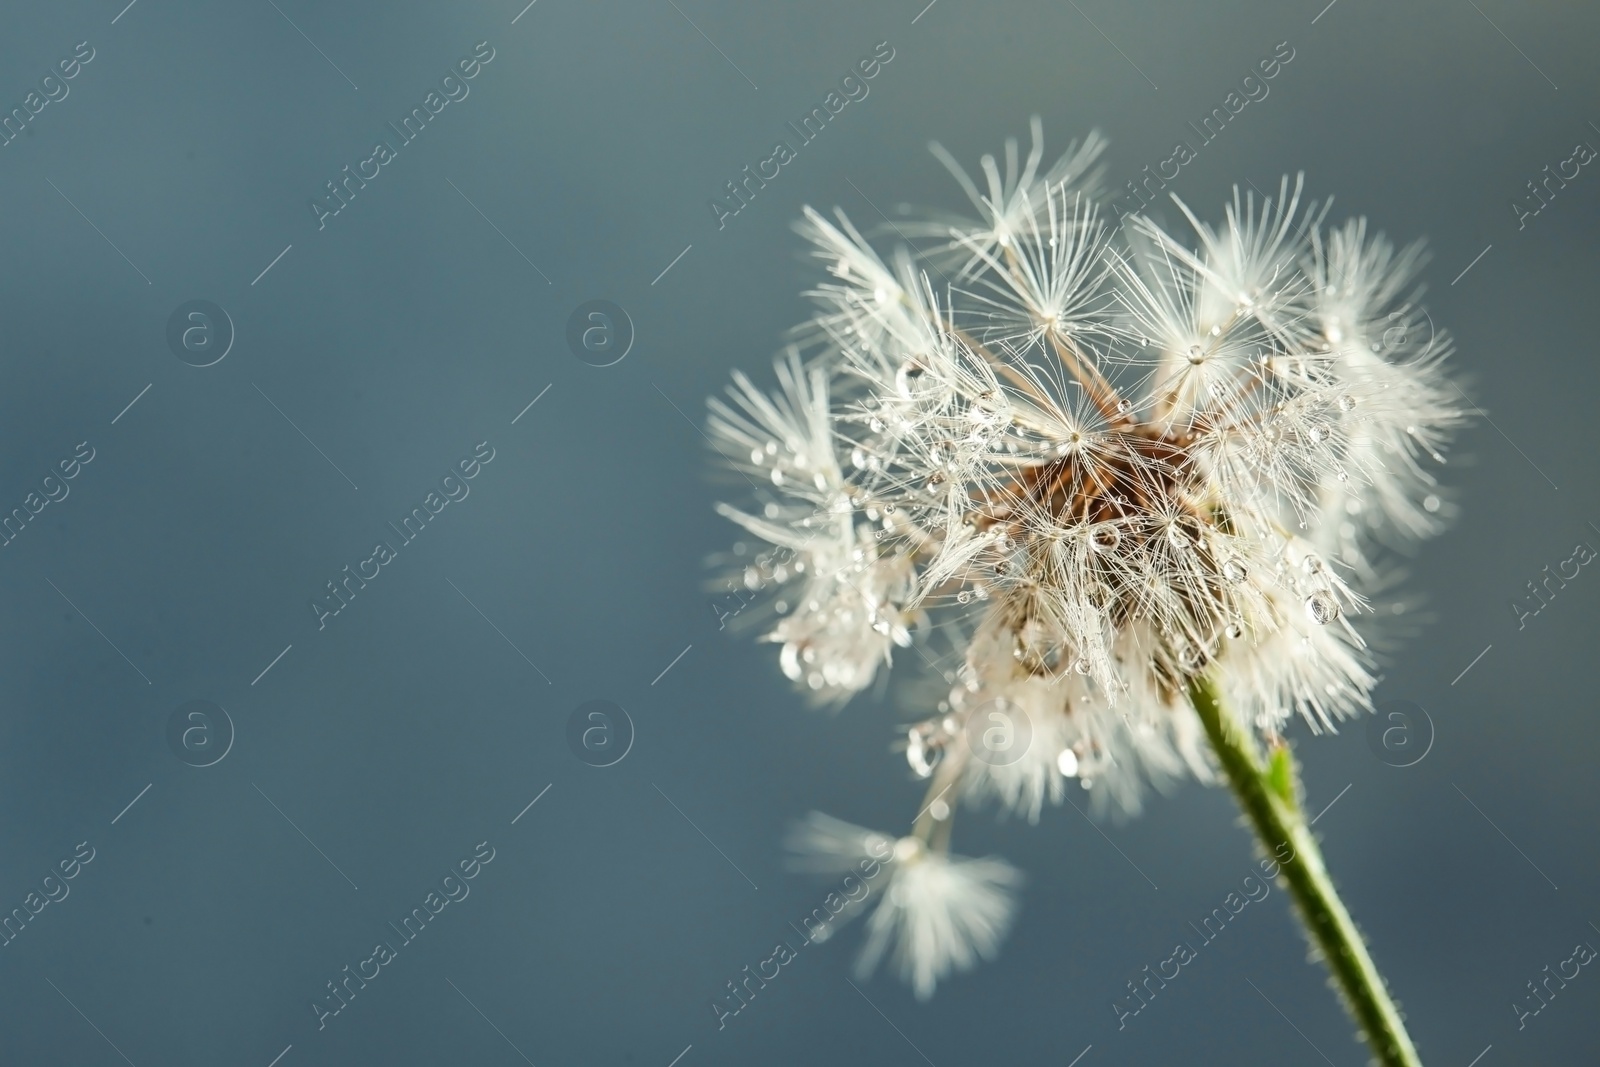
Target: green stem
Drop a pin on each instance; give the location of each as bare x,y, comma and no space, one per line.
1269,795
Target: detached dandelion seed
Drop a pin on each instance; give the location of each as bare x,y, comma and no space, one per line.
1134,481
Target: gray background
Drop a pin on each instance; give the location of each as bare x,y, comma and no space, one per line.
409,729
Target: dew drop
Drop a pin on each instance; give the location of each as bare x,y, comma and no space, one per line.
906,376
1067,763
964,597
1105,537
1124,407
1321,608
1196,355
1216,331
1234,630
789,661
1347,403
922,752
1080,666
939,810
876,424
1431,503
1235,571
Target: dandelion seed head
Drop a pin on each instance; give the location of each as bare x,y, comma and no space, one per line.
1092,462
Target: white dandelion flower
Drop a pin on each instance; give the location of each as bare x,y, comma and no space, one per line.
1131,476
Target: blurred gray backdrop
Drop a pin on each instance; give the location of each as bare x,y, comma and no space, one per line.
367,354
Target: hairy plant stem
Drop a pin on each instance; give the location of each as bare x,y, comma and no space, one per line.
1269,794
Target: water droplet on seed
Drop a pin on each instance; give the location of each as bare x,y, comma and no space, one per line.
1235,571
789,661
1321,608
